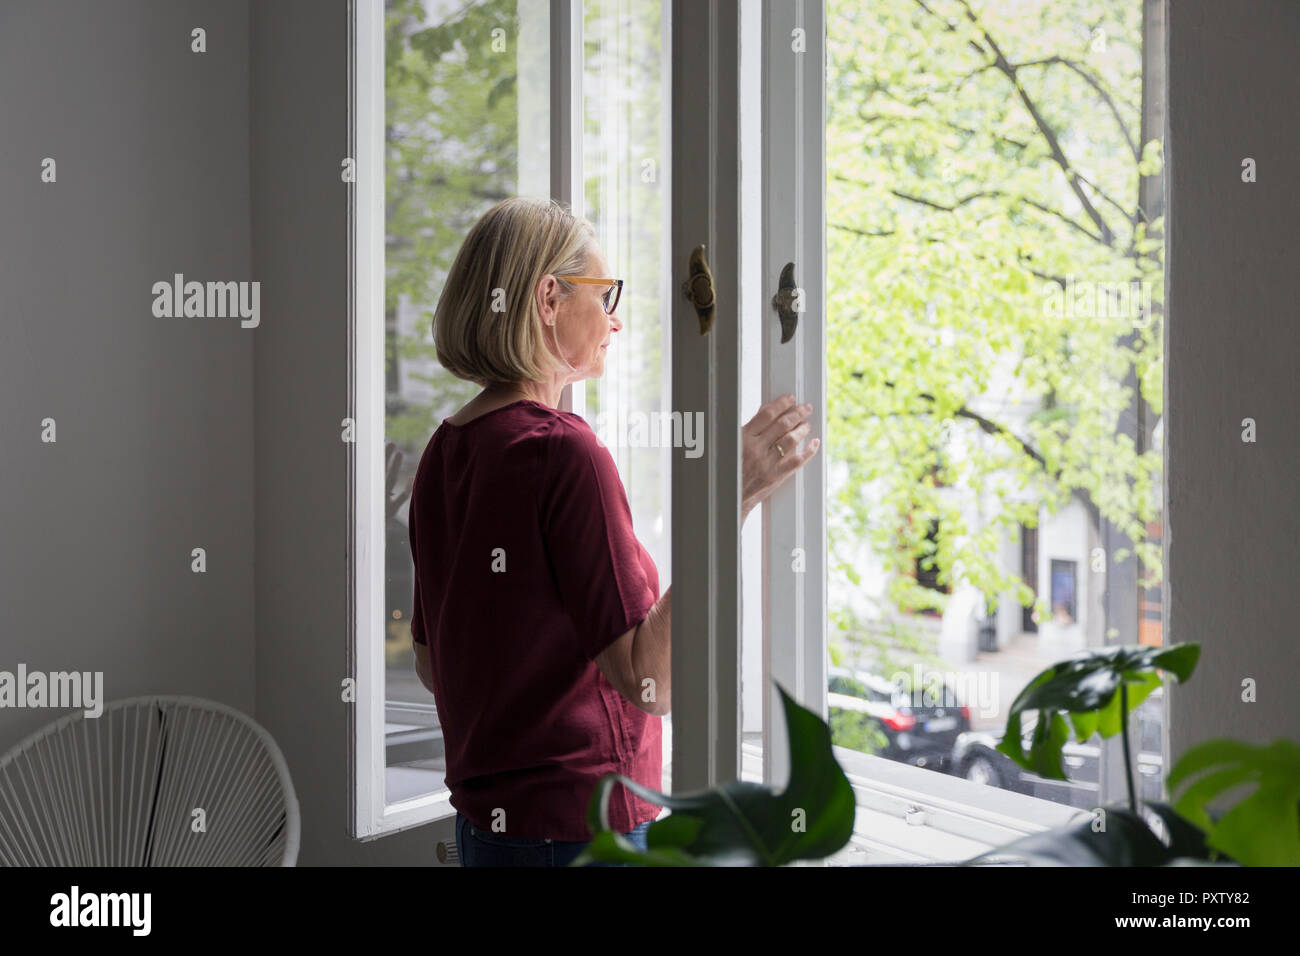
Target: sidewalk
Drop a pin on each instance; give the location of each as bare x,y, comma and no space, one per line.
1009,670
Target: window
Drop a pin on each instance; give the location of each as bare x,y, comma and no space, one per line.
1029,574
1064,581
454,103
626,177
452,114
980,299
927,570
995,256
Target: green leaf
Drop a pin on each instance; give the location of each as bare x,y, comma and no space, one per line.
1116,837
1260,829
1126,840
1086,686
1085,724
741,823
1186,841
1209,753
673,831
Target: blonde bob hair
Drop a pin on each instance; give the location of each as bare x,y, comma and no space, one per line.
486,328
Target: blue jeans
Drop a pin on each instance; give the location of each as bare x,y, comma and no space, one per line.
479,847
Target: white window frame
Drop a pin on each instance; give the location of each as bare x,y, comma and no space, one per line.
793,124
951,812
369,813
705,210
705,207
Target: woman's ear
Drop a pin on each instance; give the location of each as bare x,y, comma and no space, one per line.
547,303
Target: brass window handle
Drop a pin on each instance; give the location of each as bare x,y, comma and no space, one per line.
783,302
699,289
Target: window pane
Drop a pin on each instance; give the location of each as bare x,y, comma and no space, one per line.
995,288
467,124
625,136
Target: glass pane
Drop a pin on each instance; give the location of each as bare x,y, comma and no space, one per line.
625,165
995,297
467,124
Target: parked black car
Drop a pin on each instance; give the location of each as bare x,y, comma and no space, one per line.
975,758
919,735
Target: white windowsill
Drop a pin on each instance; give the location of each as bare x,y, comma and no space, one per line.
957,819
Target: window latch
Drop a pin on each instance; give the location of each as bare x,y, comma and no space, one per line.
698,288
784,302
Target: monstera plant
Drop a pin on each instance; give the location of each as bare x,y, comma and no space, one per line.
748,824
1098,689
739,823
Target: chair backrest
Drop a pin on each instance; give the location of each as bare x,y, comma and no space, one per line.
152,781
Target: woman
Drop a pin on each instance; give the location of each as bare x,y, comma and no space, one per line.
537,616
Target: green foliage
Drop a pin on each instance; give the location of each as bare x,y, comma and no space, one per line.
882,644
459,138
451,152
856,731
1263,828
1113,836
966,189
739,823
747,824
1086,687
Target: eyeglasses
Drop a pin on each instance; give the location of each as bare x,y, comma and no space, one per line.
609,299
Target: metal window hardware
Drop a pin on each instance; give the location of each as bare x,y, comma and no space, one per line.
783,302
698,288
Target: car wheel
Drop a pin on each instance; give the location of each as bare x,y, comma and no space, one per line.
981,771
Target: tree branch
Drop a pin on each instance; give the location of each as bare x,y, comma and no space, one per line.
932,121
1049,135
995,429
1020,260
982,194
1096,85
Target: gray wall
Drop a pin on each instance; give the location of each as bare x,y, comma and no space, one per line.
154,415
170,429
300,228
1233,529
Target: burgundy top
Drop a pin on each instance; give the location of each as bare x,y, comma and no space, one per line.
526,568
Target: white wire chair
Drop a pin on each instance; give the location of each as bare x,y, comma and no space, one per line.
152,781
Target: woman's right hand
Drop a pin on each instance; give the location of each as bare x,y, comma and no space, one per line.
764,467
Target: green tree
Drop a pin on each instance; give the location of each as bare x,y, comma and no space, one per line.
983,164
451,152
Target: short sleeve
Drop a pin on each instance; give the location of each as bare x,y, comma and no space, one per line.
586,524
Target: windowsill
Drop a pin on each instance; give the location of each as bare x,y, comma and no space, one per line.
957,819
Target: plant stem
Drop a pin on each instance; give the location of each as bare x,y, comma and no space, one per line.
1123,731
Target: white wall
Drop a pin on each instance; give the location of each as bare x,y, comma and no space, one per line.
299,136
153,416
169,432
1233,531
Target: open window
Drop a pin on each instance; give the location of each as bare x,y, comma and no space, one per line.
457,106
964,248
